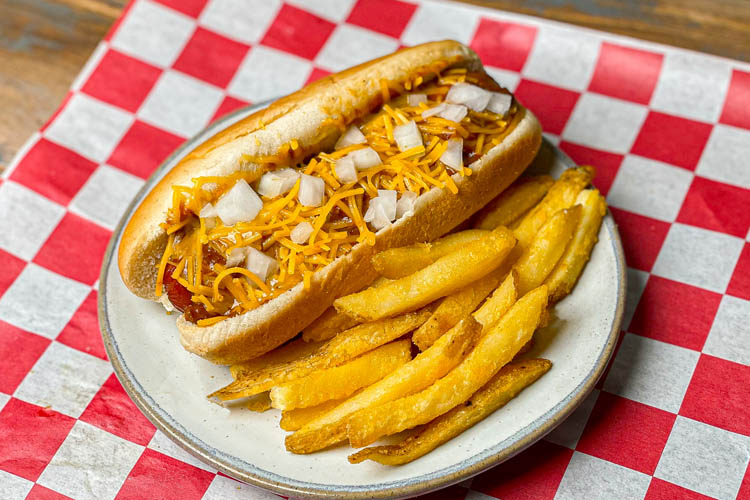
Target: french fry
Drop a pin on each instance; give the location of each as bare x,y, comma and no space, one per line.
327,326
564,276
259,403
471,262
341,381
428,366
499,302
399,262
494,349
539,259
290,351
340,349
512,203
501,388
292,420
561,195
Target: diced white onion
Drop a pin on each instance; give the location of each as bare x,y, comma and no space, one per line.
376,215
236,256
345,169
454,112
365,158
405,204
500,103
433,111
278,182
312,190
301,233
260,264
208,211
239,204
407,136
453,156
352,136
472,96
388,201
415,99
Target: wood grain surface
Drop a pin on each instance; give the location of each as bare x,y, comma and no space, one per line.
44,43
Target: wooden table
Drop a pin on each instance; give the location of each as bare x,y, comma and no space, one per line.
44,43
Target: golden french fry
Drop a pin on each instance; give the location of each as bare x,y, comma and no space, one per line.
501,388
563,277
292,420
340,349
499,302
561,195
327,326
512,203
412,377
539,259
259,403
399,262
343,380
471,262
290,351
494,349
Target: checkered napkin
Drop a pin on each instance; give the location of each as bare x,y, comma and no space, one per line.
669,131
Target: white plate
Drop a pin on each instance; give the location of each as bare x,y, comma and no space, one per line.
169,385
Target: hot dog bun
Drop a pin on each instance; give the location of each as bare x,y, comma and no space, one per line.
313,116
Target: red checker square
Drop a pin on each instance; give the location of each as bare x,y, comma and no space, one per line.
121,80
676,313
535,474
739,285
717,394
671,139
642,237
57,111
502,44
744,493
39,492
211,57
298,32
10,267
716,206
552,105
29,437
626,73
155,476
663,490
19,350
192,8
606,164
82,331
53,171
384,16
228,105
316,74
75,249
112,410
143,148
737,104
627,433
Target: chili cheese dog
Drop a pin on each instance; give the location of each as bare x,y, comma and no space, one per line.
256,232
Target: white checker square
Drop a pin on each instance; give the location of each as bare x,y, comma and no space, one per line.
41,301
475,495
106,195
704,458
562,57
26,219
161,443
91,464
350,45
268,73
553,138
65,379
692,85
13,487
649,188
591,477
439,22
224,488
153,33
605,123
569,432
698,257
89,127
243,20
167,104
506,78
725,157
636,283
333,10
651,372
4,398
729,337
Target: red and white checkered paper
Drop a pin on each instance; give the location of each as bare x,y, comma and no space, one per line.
668,130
